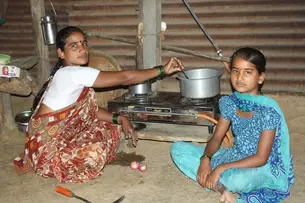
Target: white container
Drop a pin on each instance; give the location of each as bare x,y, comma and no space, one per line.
9,71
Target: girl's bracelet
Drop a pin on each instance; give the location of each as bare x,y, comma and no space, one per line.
205,156
115,118
161,70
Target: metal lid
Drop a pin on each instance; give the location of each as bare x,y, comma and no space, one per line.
47,19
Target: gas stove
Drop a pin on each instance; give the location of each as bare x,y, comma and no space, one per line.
166,107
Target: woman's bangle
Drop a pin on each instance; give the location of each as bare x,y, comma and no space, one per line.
205,156
115,118
161,70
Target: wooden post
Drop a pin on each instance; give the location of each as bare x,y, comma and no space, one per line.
42,50
151,48
139,53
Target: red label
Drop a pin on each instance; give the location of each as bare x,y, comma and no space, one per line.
5,70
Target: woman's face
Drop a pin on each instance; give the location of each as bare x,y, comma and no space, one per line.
245,77
75,51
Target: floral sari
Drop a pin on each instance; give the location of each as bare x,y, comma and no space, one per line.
70,144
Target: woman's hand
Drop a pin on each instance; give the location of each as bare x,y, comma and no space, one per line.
173,65
128,129
203,171
213,178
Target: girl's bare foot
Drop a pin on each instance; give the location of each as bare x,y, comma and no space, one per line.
227,197
222,198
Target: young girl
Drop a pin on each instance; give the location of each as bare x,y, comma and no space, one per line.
69,137
258,167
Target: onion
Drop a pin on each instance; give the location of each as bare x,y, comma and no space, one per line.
134,165
142,167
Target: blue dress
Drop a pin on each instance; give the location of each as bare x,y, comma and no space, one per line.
270,183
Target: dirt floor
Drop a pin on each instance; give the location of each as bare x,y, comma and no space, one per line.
162,182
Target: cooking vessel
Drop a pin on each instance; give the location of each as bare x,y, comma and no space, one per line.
22,120
202,83
142,88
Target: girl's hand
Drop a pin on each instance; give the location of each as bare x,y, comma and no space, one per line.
213,178
128,129
203,171
173,65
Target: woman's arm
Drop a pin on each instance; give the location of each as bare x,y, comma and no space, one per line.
213,145
127,127
128,77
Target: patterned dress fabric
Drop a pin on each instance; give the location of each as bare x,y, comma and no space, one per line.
270,183
70,144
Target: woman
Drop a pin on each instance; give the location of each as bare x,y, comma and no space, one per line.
69,137
258,167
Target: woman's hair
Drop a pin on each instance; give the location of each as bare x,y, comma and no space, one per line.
253,56
61,38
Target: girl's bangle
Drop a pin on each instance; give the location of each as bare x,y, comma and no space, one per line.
161,70
205,156
115,118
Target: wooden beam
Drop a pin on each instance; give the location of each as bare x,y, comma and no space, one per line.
42,50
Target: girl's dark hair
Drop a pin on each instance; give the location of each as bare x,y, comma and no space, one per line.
252,55
61,38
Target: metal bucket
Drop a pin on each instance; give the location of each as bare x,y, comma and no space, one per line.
202,83
49,29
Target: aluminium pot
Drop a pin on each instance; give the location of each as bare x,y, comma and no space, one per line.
22,120
202,83
141,88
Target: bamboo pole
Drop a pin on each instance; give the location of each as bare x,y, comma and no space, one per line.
164,47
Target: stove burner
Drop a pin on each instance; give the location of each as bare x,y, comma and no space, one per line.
165,107
196,102
141,98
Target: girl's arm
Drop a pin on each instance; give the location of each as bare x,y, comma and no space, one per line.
213,145
260,158
217,138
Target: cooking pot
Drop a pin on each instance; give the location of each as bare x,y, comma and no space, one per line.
202,83
22,120
142,88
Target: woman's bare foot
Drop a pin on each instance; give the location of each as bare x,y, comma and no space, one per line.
227,197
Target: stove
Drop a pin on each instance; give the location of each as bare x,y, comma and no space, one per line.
166,107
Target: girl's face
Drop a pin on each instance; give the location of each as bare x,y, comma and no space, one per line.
245,77
75,51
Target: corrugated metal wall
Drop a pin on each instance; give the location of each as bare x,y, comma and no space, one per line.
16,33
275,27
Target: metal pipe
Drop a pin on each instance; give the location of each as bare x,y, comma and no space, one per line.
163,113
218,51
